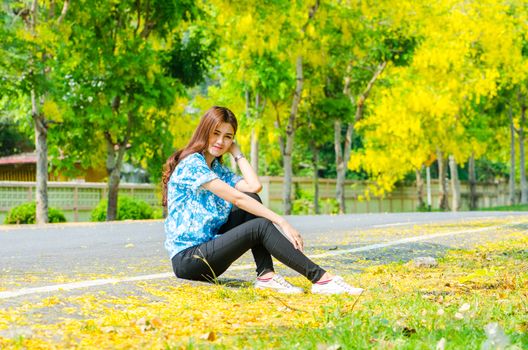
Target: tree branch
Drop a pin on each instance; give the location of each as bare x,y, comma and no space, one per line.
277,115
34,7
148,25
128,132
116,103
290,128
138,4
64,11
348,79
52,9
311,15
366,92
278,126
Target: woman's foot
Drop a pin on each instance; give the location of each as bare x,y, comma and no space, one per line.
278,283
334,285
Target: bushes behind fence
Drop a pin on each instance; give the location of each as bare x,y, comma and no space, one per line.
127,209
27,212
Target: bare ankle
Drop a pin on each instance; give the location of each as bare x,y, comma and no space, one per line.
327,276
268,274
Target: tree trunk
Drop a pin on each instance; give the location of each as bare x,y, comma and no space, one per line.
522,162
342,157
114,161
254,150
278,126
41,136
315,163
340,169
472,183
290,128
288,175
343,154
455,184
420,188
290,133
442,183
259,109
429,194
253,158
513,198
39,121
113,190
41,145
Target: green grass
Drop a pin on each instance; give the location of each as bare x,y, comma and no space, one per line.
411,308
409,322
516,207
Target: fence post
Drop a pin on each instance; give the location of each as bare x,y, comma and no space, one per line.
76,203
264,194
402,200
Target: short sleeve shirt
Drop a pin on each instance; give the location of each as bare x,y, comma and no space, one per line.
195,214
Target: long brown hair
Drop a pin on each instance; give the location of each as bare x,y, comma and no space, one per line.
198,143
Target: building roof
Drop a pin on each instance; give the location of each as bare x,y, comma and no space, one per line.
22,158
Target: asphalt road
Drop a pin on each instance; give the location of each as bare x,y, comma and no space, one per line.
119,259
105,247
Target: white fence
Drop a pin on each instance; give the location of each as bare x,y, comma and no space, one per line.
402,199
77,199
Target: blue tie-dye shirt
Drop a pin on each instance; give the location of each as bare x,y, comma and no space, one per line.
194,214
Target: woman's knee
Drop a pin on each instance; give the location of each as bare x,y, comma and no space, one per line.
262,222
197,269
254,196
265,227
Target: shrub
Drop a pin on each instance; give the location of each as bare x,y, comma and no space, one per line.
303,203
127,209
158,213
331,206
423,207
27,212
302,206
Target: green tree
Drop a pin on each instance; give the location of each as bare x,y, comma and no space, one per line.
32,33
124,75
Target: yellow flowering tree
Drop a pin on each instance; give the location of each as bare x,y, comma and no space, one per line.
428,111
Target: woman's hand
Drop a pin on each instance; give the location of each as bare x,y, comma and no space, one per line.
293,235
234,149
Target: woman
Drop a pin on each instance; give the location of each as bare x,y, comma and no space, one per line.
214,216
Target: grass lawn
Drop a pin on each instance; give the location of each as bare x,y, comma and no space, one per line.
404,307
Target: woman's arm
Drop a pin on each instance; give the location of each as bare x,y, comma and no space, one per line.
244,202
251,182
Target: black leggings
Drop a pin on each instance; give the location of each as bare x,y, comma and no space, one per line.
241,232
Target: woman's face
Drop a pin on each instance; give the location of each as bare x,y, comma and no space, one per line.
220,139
